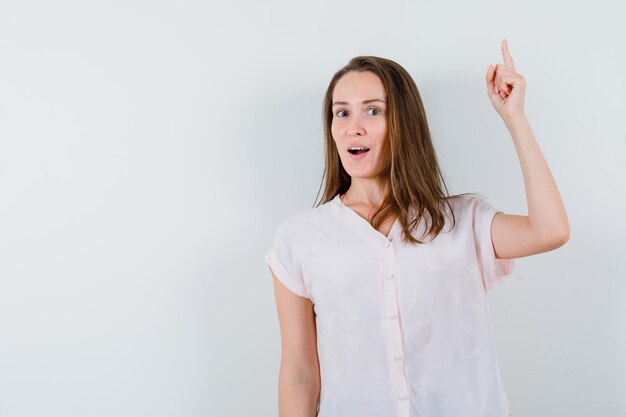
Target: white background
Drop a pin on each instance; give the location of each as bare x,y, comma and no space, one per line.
148,150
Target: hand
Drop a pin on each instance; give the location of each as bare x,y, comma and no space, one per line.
505,87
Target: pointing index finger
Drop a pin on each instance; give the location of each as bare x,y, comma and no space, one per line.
508,60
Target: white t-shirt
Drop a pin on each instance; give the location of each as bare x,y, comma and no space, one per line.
403,330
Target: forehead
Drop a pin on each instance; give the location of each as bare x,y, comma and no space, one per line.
358,86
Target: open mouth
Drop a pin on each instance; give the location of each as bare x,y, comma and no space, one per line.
358,151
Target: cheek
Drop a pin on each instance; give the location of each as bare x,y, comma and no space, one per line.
381,130
334,131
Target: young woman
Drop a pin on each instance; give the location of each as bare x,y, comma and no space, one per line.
381,291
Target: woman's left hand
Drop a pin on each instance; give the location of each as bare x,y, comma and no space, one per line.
505,87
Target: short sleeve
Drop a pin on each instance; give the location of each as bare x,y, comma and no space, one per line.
283,260
493,269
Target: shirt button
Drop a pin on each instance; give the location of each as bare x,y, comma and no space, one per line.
392,316
386,244
403,397
397,357
389,275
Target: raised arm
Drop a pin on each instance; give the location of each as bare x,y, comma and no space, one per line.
546,227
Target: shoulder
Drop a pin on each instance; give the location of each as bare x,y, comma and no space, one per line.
470,210
469,203
293,222
304,222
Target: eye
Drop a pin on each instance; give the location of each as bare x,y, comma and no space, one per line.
375,109
339,113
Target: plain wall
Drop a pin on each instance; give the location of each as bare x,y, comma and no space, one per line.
148,150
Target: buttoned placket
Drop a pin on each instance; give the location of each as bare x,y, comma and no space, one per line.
390,284
394,325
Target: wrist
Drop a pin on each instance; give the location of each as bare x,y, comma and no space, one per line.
516,120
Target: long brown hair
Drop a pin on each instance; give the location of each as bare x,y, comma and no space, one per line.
415,179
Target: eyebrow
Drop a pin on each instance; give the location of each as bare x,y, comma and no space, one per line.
364,102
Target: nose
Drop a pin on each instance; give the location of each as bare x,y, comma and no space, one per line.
355,128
